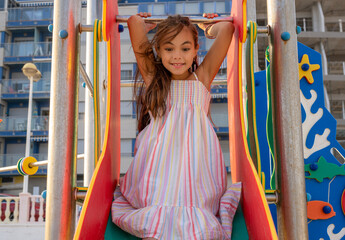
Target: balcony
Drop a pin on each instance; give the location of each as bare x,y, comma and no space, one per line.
19,88
336,68
16,127
185,8
26,51
30,16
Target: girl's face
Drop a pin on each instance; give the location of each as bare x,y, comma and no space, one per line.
177,54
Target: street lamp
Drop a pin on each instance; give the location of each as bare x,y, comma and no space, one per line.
30,70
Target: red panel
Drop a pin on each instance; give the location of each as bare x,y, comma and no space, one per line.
255,208
97,204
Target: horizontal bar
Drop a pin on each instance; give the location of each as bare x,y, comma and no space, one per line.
158,19
35,164
264,29
79,195
272,197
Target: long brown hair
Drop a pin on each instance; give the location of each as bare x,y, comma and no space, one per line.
152,98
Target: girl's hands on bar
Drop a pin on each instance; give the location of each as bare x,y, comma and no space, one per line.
148,26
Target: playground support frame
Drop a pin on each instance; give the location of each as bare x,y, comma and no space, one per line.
60,210
291,208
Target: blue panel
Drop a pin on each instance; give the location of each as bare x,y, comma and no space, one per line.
228,6
17,59
29,23
2,37
261,118
142,8
171,8
221,129
201,7
42,95
133,145
12,134
329,190
325,180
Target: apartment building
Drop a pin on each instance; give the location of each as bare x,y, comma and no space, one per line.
25,38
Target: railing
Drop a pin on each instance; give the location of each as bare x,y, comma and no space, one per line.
31,211
305,23
37,209
38,123
30,14
27,49
185,8
335,26
336,68
338,109
15,86
9,210
12,159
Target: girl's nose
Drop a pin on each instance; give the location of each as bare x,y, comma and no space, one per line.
177,55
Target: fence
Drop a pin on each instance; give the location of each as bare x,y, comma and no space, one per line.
26,208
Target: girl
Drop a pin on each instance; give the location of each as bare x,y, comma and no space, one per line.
176,186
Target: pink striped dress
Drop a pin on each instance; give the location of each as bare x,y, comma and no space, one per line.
176,186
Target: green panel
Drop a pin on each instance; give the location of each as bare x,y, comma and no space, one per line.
239,228
114,232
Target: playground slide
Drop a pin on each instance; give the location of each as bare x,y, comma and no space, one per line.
95,215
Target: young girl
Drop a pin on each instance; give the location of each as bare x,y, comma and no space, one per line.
176,186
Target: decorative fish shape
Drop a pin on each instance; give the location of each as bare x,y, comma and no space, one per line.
319,210
323,169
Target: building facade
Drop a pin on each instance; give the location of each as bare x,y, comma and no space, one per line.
25,38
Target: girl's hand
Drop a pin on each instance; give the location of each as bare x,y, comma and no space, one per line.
206,27
148,26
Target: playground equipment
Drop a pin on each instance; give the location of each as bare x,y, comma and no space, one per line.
247,160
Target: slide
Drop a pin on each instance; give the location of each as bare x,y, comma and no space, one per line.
253,214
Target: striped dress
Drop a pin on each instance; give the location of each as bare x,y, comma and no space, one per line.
176,186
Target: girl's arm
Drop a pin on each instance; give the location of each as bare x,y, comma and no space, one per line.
137,31
208,69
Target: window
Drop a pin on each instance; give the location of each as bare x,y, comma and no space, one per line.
7,180
126,75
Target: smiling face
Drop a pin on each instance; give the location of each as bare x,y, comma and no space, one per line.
177,54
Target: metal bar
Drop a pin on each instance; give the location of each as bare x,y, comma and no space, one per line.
89,28
28,133
94,11
264,29
79,195
291,208
63,120
272,197
158,19
86,78
35,164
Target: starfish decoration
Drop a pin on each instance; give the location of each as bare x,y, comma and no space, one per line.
305,69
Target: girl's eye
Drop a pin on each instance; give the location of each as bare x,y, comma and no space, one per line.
168,49
185,49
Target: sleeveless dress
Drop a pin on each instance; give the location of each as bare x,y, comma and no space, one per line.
176,186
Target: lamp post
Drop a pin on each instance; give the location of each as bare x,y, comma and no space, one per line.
30,70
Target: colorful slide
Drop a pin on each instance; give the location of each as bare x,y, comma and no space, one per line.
95,222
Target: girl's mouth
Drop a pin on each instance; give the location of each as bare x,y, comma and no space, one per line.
177,65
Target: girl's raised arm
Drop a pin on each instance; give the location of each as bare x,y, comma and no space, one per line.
222,32
137,31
